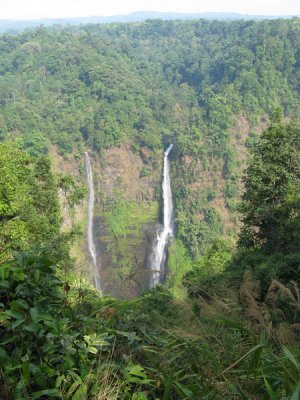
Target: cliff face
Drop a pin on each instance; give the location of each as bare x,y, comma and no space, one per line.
127,184
126,213
127,192
133,89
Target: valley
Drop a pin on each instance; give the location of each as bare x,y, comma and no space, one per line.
149,211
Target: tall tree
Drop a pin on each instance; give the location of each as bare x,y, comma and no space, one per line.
29,206
271,202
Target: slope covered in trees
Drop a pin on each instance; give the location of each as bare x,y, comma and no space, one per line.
226,322
30,211
204,86
59,339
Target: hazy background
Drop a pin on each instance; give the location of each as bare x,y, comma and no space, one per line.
35,9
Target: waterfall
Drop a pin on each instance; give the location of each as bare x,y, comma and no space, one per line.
90,236
165,232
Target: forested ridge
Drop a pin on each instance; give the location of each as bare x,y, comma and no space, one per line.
225,324
150,84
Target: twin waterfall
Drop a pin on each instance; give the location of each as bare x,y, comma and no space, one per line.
166,232
90,235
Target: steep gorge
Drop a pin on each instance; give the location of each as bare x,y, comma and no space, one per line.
128,208
133,116
128,205
126,213
124,93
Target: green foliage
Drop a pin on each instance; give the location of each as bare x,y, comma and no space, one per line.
73,191
42,351
118,211
59,339
147,85
198,233
125,236
29,207
271,206
179,263
34,143
207,273
15,186
145,171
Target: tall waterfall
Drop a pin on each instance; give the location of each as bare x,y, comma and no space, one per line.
90,236
165,232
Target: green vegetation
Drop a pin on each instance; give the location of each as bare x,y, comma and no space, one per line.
179,264
29,205
269,240
59,339
125,227
271,201
226,322
149,84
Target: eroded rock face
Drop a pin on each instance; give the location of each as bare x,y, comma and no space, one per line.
125,215
126,211
120,169
127,204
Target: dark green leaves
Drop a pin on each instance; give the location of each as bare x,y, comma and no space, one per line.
46,393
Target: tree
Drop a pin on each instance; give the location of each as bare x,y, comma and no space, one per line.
271,202
29,206
14,199
34,143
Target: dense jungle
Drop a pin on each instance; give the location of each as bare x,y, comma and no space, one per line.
115,138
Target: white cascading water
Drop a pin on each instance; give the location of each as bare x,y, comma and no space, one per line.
166,232
90,236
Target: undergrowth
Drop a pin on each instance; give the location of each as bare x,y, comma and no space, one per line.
59,339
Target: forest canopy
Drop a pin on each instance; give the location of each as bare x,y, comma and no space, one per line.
149,84
225,323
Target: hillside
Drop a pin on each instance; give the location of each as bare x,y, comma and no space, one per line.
224,322
124,91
